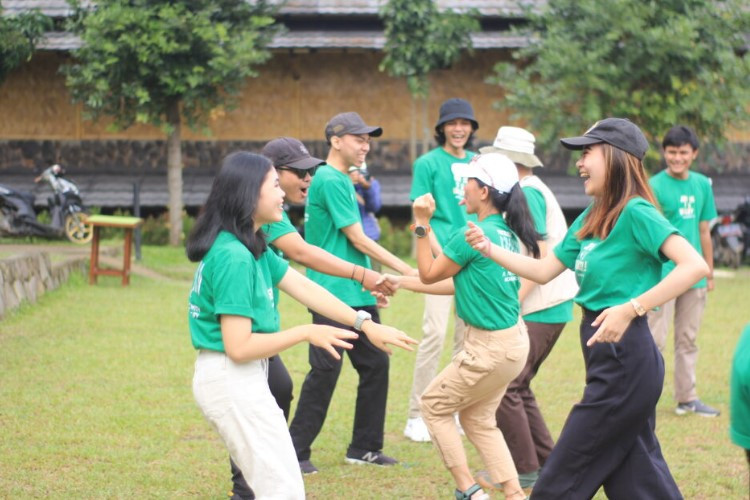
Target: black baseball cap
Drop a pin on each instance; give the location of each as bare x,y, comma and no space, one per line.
618,132
289,152
350,123
456,108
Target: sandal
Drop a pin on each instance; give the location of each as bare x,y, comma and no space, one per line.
467,494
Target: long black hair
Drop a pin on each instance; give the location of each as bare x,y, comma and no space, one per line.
231,205
517,215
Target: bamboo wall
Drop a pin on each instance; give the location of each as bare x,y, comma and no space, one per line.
295,94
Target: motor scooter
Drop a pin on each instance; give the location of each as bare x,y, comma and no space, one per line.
68,215
727,238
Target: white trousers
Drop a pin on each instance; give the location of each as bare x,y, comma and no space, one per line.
236,400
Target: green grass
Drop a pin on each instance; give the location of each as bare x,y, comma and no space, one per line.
95,384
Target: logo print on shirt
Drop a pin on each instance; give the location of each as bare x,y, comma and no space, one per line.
687,206
458,190
581,263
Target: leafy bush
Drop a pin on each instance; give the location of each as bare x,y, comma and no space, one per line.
395,239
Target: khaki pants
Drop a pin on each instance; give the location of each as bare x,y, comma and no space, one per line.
437,311
687,311
473,385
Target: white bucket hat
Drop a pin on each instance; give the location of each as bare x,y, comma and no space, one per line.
494,169
515,143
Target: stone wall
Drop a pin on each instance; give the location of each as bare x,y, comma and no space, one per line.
24,278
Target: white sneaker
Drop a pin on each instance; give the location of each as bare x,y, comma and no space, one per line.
416,430
458,424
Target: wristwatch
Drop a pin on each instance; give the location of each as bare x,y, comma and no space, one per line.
639,310
362,316
420,231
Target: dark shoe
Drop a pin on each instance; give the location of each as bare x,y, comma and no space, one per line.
307,467
363,457
697,407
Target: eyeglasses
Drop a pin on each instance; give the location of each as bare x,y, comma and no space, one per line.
300,172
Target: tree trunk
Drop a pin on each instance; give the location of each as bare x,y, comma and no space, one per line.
413,131
174,174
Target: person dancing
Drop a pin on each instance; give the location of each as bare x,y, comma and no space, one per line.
616,248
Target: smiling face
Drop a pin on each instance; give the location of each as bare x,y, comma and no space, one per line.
270,200
351,148
679,159
457,133
295,189
592,167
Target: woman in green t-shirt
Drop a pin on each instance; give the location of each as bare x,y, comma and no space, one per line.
495,343
231,314
616,247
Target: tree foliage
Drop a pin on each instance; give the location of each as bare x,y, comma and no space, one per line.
164,62
656,62
420,39
139,56
19,36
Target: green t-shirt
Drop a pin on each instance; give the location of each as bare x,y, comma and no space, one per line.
331,206
229,280
739,394
433,174
563,312
624,264
685,203
486,293
274,231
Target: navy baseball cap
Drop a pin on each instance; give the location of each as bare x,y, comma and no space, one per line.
618,132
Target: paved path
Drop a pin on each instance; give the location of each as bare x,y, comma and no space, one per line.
111,255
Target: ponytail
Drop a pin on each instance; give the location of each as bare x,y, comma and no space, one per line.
517,216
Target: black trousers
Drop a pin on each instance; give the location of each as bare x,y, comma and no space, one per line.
281,386
608,439
372,392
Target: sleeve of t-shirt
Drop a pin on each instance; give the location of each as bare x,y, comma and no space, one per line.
538,207
458,250
233,282
276,265
709,208
650,228
421,181
276,230
341,203
568,249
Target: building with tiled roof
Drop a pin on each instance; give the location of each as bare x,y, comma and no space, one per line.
326,61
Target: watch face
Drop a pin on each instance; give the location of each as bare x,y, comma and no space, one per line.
420,231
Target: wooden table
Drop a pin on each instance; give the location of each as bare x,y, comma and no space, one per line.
100,221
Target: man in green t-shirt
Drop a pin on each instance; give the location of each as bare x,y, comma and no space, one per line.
332,222
687,201
454,130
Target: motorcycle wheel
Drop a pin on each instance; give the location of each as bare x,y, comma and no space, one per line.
76,230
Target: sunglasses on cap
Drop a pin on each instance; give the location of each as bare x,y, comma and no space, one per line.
300,172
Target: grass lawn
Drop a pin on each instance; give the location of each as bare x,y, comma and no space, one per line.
95,384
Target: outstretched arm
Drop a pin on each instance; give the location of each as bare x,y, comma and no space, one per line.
318,259
361,242
539,270
414,284
326,304
242,345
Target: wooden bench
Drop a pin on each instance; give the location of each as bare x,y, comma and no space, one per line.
126,223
